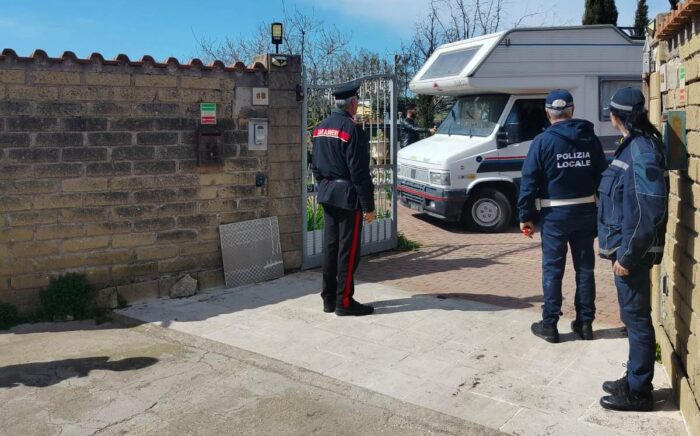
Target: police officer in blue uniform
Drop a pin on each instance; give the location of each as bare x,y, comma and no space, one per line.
559,179
631,227
340,166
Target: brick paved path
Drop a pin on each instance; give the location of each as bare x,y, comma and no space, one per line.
502,269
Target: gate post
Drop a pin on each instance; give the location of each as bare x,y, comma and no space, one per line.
394,164
284,155
304,165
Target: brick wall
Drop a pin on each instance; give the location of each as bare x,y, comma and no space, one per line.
676,301
98,170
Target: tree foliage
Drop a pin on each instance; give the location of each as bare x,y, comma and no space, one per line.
329,58
641,17
600,12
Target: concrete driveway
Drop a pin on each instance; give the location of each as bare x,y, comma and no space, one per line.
81,379
473,361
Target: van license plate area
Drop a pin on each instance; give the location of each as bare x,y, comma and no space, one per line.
415,206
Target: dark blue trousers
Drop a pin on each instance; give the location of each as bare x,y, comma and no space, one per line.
633,293
557,237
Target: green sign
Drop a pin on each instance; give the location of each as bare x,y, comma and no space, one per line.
681,77
207,113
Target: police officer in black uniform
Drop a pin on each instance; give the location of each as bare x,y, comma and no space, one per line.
345,189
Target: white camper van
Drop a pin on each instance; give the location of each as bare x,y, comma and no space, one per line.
470,169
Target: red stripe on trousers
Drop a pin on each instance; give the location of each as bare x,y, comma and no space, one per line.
351,261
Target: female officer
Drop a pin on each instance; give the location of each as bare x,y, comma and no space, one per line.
631,226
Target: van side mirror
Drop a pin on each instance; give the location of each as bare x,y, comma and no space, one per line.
508,134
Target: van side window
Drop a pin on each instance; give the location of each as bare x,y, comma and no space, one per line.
530,116
609,86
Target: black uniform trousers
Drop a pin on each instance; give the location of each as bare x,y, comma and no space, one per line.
341,255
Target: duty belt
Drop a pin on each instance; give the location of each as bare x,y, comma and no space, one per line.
333,180
546,202
653,249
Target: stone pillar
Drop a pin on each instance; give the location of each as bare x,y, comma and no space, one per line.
284,155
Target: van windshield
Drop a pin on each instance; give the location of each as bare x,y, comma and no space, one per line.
474,115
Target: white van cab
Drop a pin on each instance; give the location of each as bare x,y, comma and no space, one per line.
469,170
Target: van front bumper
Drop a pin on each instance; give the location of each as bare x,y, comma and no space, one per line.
446,204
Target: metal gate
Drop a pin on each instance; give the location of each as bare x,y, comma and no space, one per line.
376,115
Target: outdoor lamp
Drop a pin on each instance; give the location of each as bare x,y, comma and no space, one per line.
277,35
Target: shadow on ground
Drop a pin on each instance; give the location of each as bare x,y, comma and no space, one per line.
457,227
433,260
428,302
43,374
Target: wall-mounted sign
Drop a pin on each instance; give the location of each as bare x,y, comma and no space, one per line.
675,140
681,77
681,85
260,97
663,73
207,113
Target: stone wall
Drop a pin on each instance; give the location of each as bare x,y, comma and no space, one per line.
98,170
675,300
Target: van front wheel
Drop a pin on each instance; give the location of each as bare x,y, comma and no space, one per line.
487,210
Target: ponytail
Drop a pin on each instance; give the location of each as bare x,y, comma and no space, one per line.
638,122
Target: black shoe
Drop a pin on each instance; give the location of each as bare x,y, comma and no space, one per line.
329,305
627,400
612,387
355,309
545,331
584,329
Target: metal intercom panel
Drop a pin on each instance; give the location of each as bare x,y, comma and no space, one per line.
257,134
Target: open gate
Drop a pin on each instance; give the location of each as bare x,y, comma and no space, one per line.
376,115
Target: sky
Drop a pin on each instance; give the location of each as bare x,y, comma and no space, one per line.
164,28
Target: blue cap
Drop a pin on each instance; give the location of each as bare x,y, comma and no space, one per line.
627,100
559,99
346,91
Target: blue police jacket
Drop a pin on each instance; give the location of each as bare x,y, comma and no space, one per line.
633,204
340,163
564,162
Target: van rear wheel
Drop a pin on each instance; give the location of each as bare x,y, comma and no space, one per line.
487,210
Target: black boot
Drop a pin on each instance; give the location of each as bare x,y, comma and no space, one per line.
329,304
355,309
627,400
583,329
613,386
545,331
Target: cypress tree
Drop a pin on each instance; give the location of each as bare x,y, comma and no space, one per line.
641,17
600,12
610,12
592,12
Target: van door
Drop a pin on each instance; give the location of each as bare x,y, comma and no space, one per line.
526,119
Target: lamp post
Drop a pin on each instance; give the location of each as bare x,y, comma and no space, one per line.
277,36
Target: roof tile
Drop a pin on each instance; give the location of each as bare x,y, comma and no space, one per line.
122,59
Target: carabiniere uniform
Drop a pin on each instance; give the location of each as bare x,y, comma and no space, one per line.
340,166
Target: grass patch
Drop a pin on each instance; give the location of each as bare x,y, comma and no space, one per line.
314,217
68,297
8,316
657,354
406,244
